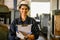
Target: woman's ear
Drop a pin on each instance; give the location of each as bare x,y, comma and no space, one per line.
28,13
18,9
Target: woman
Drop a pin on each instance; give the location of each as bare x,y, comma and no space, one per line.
24,20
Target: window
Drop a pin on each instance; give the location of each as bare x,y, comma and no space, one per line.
39,7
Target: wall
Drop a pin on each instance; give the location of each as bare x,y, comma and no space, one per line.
9,3
40,0
59,4
53,4
1,1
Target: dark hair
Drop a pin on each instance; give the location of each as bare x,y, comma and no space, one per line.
24,5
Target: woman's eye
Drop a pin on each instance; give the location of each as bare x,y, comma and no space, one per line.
22,8
26,9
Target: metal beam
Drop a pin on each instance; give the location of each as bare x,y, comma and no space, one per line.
57,4
15,7
40,0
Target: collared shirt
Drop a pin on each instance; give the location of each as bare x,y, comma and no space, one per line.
18,21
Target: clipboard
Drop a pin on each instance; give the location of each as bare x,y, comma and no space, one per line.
26,29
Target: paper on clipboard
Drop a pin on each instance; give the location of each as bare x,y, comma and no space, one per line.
26,29
20,35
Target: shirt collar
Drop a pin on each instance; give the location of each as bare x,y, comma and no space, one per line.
21,19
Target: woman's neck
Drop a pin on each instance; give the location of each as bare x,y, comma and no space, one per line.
23,18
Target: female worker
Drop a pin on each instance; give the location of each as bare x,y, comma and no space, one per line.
24,20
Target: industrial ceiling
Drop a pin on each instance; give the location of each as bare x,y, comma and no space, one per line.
40,0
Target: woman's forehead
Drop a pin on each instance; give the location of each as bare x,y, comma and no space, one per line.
24,6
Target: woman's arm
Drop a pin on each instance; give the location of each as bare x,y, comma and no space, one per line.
35,30
12,31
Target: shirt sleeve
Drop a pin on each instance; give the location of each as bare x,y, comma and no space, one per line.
12,31
35,29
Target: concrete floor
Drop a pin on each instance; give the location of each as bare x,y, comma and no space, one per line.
41,38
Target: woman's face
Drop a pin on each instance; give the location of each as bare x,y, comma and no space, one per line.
23,10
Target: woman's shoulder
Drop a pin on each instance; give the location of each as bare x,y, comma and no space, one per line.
32,19
15,20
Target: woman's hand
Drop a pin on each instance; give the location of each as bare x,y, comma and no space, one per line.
30,37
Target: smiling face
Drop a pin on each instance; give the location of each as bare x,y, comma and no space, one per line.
23,10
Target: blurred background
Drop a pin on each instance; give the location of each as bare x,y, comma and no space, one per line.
45,12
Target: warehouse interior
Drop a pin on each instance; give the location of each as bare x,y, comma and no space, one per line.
45,12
